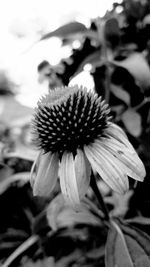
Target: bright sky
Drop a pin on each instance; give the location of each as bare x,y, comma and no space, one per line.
27,17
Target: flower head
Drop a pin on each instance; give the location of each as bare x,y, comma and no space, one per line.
68,119
74,132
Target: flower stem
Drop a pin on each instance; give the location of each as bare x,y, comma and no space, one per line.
99,196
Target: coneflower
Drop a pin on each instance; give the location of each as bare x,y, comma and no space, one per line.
74,133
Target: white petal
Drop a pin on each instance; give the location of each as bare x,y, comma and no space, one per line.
120,139
82,172
47,175
68,181
118,134
128,156
105,169
116,165
116,131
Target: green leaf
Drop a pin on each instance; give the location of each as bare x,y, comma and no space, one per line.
22,177
117,253
65,30
138,237
60,214
127,247
19,250
47,262
140,220
146,20
137,65
13,113
132,121
120,203
22,152
120,93
92,59
112,31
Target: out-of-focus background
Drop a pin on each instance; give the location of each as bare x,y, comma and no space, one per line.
105,46
22,23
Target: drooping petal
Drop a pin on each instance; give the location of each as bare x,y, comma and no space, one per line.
118,168
115,131
112,176
134,166
126,170
47,175
82,172
68,180
121,148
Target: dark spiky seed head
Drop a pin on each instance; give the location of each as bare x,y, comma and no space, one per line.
69,118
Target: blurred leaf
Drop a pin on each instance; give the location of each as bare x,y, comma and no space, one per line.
16,234
92,59
60,214
20,144
80,36
127,247
79,259
79,245
124,87
112,32
5,172
22,152
99,76
47,262
67,29
134,9
7,86
117,253
18,212
134,238
120,203
137,65
20,250
120,93
132,121
13,113
139,220
77,57
19,177
146,19
9,245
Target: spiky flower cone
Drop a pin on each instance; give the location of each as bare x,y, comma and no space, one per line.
76,118
74,133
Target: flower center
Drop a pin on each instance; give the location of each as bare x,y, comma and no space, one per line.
72,123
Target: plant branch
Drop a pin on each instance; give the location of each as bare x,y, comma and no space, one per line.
146,100
23,247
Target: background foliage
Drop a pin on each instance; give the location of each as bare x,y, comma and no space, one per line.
46,232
